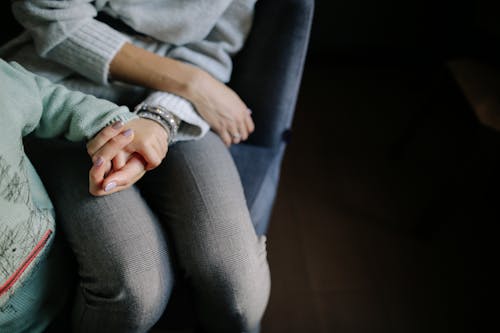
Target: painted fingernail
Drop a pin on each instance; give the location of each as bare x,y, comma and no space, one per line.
99,161
118,125
249,111
128,132
109,186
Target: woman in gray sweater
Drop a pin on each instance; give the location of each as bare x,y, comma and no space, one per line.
188,217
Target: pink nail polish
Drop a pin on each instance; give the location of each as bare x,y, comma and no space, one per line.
117,125
128,132
109,186
99,161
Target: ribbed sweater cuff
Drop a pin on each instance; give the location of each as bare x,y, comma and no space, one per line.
192,126
123,115
89,50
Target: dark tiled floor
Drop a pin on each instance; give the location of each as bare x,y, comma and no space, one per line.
361,238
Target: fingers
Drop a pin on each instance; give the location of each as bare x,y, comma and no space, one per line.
152,154
122,179
241,128
150,141
225,136
97,174
126,176
249,122
102,158
235,132
103,136
113,146
120,159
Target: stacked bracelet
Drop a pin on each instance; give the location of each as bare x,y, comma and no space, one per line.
162,116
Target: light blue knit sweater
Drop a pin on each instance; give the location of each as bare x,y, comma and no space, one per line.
31,104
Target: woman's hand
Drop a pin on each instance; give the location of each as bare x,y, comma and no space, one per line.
221,108
150,141
122,154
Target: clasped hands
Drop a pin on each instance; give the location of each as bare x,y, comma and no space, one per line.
122,153
121,157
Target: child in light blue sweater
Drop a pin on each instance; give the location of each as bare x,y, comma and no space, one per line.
32,281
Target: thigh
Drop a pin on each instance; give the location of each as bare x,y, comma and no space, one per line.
114,237
197,193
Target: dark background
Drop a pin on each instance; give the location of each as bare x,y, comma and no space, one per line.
385,218
391,30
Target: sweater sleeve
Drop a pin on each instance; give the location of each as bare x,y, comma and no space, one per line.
73,114
66,32
193,126
225,39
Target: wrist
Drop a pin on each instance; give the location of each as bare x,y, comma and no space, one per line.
153,126
182,80
195,87
169,121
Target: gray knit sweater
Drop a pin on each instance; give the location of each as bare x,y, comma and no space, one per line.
68,38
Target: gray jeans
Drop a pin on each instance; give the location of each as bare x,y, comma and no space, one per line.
189,216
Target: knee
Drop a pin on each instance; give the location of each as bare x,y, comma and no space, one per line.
249,304
131,300
245,298
144,299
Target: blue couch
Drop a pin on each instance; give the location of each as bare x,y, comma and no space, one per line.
267,75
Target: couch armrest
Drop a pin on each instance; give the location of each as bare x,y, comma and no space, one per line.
268,70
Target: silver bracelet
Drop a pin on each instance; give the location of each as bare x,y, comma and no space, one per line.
165,118
156,118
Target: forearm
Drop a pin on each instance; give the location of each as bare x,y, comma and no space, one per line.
216,103
135,65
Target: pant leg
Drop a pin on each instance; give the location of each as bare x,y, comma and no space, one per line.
198,195
125,275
